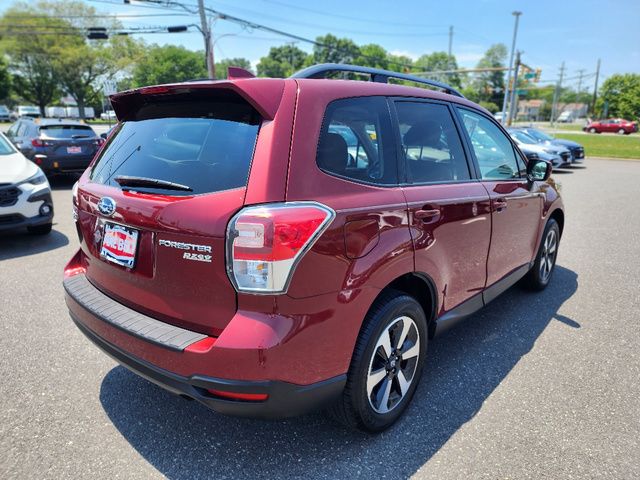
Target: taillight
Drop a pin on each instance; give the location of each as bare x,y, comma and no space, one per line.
265,243
36,142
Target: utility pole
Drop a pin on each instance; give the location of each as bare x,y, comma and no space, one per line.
206,33
556,95
580,75
513,49
450,40
595,89
513,102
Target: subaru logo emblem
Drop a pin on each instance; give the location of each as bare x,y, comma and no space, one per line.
107,206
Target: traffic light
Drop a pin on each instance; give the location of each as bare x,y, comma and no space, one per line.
538,73
97,33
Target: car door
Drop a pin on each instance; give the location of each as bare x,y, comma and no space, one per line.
516,204
448,209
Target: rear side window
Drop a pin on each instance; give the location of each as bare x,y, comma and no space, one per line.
494,151
356,141
430,143
203,144
67,131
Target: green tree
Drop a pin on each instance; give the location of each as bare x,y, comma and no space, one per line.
490,85
168,64
282,61
440,61
79,67
223,65
622,94
373,55
5,79
400,63
331,49
29,55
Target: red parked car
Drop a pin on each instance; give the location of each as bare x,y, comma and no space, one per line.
616,125
271,246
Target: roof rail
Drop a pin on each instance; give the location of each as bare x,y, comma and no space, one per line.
376,74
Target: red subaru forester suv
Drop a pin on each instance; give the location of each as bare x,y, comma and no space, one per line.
271,246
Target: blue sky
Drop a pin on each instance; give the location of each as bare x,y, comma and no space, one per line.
575,31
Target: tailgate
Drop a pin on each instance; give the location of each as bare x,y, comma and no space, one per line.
153,209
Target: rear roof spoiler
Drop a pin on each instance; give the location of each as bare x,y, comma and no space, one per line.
263,94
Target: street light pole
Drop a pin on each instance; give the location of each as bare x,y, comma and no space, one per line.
206,33
513,49
513,103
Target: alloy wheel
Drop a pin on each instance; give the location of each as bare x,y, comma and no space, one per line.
393,364
548,256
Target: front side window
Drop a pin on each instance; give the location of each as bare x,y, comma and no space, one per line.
493,149
355,141
430,143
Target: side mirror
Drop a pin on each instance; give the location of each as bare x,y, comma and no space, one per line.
538,170
104,135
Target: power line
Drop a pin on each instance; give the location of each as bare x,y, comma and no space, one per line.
348,17
250,25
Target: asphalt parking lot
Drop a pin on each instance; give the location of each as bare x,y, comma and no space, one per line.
534,386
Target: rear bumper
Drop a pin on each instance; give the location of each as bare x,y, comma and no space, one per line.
284,399
161,353
62,164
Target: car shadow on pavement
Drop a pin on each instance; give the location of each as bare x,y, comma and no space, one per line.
20,243
185,440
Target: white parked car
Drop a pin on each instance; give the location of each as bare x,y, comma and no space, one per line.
27,111
25,194
108,115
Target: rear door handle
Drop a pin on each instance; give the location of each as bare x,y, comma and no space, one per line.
427,215
499,204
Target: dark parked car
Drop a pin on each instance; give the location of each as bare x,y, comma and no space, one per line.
615,125
577,150
558,155
270,246
56,146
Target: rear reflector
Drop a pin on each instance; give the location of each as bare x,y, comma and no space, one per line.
247,397
201,346
265,243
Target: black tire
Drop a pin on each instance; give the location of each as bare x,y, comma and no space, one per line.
540,275
40,229
354,409
593,130
622,131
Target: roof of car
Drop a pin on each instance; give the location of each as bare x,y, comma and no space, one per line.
265,93
54,121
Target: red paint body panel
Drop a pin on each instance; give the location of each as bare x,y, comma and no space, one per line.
308,334
452,249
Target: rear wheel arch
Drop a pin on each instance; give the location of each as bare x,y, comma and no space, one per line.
419,286
558,216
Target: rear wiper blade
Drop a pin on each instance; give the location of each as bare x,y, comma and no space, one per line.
127,181
79,136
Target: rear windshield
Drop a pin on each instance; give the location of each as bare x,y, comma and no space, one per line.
204,145
67,131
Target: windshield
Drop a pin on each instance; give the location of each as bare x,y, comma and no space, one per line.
207,153
523,138
5,146
67,131
537,134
